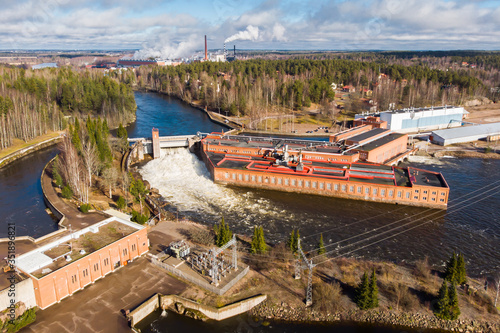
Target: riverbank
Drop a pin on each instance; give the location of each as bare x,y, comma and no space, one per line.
285,313
21,149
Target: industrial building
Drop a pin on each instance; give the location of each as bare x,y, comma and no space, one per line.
130,62
414,120
373,143
319,168
489,132
64,266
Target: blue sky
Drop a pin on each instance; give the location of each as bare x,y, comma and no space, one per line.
176,28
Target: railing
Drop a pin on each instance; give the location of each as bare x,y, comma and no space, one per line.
199,282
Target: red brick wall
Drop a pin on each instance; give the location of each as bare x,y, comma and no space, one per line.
328,187
70,278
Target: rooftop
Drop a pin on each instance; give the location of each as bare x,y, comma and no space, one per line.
380,142
408,110
367,135
459,132
54,255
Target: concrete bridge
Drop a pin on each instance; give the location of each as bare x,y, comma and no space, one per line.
156,142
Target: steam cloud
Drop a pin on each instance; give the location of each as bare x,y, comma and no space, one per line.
251,33
168,49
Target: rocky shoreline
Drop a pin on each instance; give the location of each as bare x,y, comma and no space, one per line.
284,312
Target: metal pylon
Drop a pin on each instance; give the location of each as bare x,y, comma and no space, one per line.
309,296
309,264
298,268
235,254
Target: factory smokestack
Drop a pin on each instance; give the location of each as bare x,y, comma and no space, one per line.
234,51
206,51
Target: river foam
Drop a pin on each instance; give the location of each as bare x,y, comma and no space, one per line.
184,181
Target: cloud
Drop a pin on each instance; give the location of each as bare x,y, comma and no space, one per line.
283,24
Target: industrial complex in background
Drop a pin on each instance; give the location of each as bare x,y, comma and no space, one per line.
442,125
217,56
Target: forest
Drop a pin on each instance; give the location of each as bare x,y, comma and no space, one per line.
257,86
35,102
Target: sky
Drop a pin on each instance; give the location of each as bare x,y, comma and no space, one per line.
174,28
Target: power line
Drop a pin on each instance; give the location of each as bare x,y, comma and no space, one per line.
392,223
408,223
391,211
412,216
401,232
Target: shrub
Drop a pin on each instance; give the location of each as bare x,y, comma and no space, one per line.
84,208
422,268
23,320
201,236
139,218
327,297
67,193
120,203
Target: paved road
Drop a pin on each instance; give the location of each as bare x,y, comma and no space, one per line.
97,307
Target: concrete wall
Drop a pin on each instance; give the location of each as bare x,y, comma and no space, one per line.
143,310
24,292
225,312
25,151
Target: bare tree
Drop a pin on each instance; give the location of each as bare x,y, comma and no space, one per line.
110,177
91,165
125,185
69,165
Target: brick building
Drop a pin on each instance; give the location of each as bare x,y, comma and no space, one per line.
72,262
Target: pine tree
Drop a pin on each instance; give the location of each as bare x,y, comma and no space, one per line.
450,273
321,246
75,137
373,291
222,233
453,307
292,242
258,244
362,297
121,132
443,302
461,276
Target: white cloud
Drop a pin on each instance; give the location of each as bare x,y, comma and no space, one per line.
285,24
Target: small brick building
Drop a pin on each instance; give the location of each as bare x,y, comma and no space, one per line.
72,262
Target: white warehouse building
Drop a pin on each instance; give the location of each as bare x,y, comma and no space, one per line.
415,120
466,134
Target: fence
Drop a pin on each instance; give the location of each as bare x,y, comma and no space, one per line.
201,283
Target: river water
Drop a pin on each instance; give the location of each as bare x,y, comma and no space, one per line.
21,198
173,322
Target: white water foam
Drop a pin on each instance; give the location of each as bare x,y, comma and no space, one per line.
183,180
425,160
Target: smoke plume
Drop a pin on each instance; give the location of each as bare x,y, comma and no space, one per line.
169,49
251,33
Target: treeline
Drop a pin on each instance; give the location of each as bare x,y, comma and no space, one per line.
35,102
256,86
